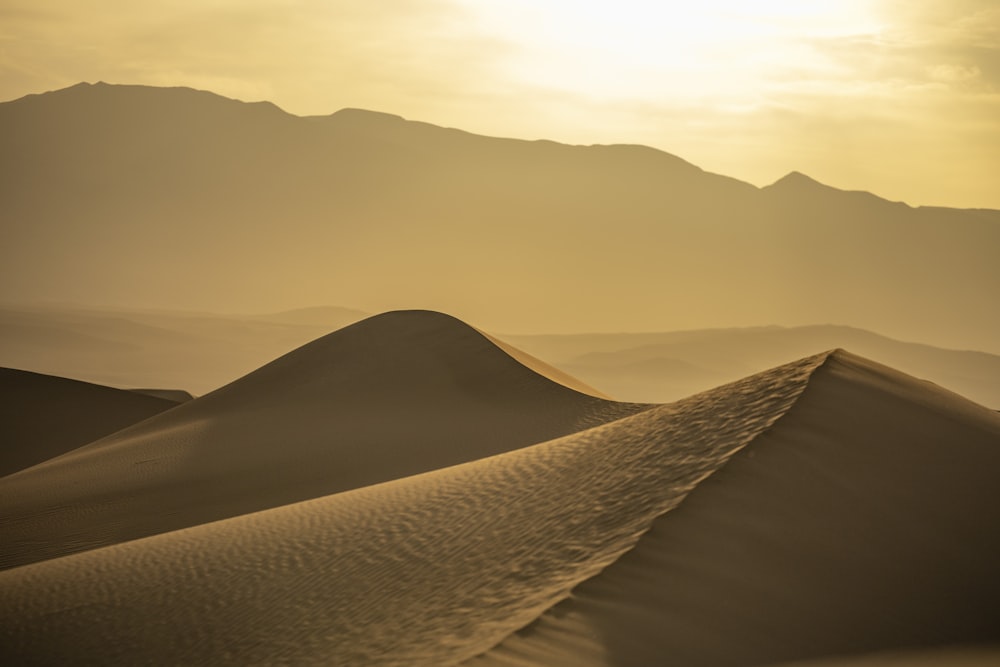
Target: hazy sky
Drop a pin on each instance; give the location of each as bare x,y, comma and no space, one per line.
901,97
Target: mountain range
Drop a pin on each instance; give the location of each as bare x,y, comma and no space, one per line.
171,198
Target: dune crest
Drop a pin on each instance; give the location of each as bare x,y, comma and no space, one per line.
395,395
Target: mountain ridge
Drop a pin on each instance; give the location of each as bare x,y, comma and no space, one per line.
354,210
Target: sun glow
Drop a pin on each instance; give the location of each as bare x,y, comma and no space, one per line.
634,47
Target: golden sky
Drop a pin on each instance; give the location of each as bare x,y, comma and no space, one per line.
900,97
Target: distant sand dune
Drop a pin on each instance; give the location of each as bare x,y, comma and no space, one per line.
392,396
42,416
175,395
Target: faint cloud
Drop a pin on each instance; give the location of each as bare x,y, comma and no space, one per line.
953,73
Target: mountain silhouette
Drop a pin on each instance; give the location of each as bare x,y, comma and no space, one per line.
175,198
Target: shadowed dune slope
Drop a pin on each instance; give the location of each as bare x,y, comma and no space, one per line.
426,570
394,395
42,416
957,656
865,520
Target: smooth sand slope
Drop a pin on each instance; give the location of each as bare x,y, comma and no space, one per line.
42,416
865,520
394,395
427,570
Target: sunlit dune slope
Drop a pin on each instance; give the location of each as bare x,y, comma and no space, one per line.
394,395
865,520
42,416
426,570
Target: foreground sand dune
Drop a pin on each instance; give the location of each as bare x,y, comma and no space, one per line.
394,395
865,519
825,510
426,570
42,416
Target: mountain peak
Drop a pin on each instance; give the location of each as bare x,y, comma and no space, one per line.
796,183
798,180
351,113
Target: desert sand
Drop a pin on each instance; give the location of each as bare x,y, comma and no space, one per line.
406,492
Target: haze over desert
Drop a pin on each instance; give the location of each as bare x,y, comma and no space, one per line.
581,335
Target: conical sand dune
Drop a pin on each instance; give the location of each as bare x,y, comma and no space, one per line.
392,396
42,416
865,520
426,570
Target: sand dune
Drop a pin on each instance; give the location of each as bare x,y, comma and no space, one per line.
395,395
426,570
175,395
864,520
831,509
43,416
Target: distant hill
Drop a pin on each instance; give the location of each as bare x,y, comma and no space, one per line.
660,367
181,199
196,352
201,352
